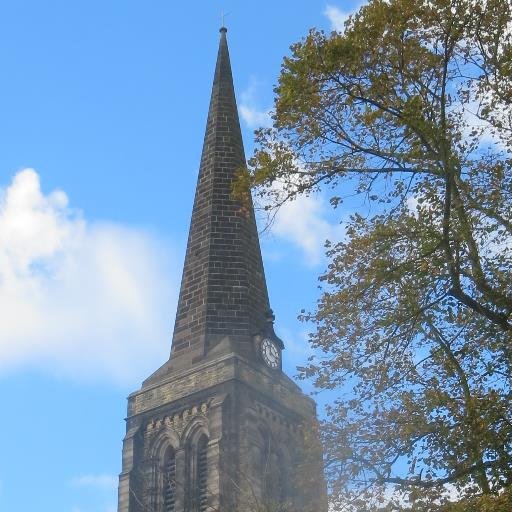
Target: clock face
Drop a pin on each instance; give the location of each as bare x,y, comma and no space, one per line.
270,353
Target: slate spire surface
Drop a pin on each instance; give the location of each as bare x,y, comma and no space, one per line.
223,299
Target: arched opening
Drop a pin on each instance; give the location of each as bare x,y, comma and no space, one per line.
273,478
169,480
201,476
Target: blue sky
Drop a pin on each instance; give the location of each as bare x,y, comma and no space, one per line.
103,106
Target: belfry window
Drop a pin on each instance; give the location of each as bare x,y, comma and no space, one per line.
274,492
169,481
201,493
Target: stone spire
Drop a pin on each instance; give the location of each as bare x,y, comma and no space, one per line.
223,300
198,428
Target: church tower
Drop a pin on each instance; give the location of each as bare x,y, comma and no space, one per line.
219,427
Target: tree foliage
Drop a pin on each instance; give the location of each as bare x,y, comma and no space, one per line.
409,108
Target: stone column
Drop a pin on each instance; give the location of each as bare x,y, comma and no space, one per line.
125,478
181,480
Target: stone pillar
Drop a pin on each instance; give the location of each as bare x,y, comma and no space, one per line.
215,421
181,480
125,478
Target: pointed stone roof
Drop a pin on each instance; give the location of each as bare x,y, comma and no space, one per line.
223,299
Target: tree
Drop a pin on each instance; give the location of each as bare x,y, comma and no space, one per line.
410,109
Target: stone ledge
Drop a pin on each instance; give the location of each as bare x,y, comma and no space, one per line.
212,373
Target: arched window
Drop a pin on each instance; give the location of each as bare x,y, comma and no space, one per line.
272,476
169,480
201,476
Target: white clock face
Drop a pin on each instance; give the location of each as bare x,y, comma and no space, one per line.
270,353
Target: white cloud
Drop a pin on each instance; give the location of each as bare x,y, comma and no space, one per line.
302,222
487,136
101,481
336,17
253,116
79,299
412,204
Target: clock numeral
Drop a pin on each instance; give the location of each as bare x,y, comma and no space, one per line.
270,353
